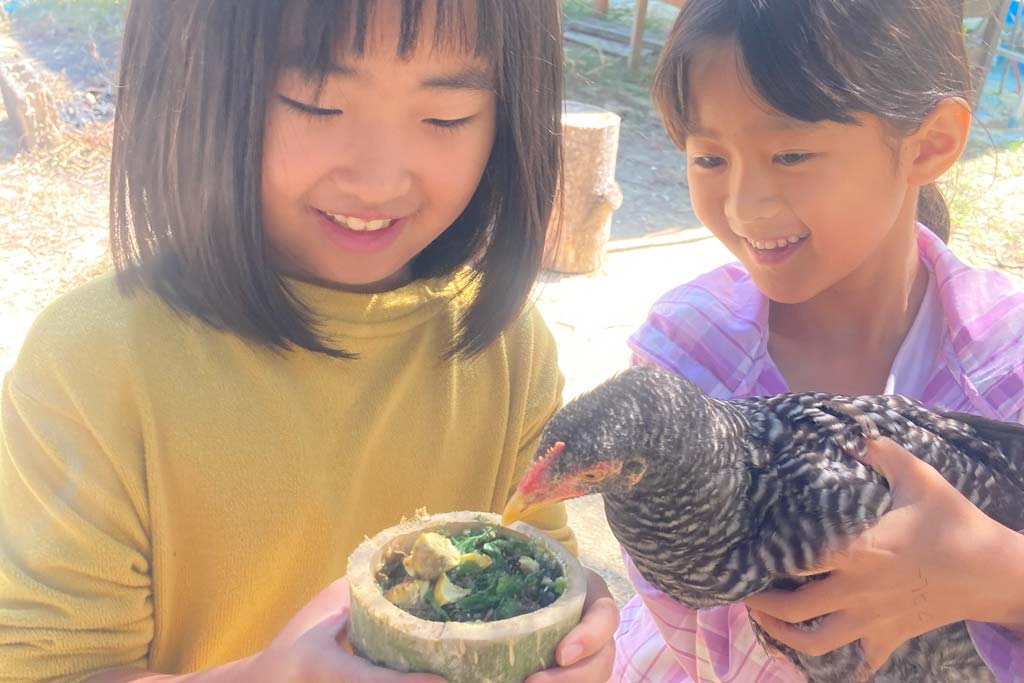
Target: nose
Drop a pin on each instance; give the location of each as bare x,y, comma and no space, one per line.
753,195
373,167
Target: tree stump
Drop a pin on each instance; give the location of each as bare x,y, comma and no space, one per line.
582,217
30,107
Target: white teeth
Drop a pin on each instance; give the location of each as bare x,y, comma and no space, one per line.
765,245
358,224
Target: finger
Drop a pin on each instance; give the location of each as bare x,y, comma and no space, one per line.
596,589
353,669
904,471
330,627
881,642
350,667
332,599
814,599
596,628
595,668
336,593
330,633
833,632
877,654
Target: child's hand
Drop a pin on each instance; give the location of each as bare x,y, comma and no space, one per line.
314,648
587,652
933,559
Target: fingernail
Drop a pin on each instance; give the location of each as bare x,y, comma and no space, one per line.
862,450
571,654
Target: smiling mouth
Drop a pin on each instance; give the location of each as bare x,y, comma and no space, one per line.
358,224
774,244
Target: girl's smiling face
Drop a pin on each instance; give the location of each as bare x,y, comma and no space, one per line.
803,205
359,176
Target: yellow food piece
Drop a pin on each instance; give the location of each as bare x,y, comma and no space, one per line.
445,591
408,594
431,554
479,559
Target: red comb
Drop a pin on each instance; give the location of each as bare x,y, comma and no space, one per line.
555,450
539,469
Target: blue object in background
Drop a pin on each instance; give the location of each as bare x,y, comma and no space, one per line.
1014,6
12,5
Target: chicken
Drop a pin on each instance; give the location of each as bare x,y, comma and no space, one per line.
717,500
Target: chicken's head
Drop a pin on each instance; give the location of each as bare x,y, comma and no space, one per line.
562,472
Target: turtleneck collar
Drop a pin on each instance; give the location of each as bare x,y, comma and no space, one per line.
344,314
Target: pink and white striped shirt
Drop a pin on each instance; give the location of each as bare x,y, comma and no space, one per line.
714,331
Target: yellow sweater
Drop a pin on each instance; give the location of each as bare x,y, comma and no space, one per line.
170,494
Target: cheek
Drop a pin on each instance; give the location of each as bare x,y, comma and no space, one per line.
282,181
844,203
282,147
296,150
452,169
708,202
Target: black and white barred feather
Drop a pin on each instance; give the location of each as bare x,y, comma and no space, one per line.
744,495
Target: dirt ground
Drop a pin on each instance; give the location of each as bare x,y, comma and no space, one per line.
650,169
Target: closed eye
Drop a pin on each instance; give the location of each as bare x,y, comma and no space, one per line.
449,124
708,162
792,158
309,108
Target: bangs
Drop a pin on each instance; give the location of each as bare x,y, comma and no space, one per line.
800,66
786,68
327,29
821,61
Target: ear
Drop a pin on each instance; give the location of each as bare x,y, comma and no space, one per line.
940,140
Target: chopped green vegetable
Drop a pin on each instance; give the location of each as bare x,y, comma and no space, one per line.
521,577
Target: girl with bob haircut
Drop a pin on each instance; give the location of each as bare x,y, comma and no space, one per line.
327,217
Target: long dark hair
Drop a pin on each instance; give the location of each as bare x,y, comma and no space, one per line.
186,216
826,60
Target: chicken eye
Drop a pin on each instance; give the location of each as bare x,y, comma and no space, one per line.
633,471
633,468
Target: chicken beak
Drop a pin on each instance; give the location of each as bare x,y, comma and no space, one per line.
517,508
533,491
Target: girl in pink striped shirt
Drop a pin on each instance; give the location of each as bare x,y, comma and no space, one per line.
815,130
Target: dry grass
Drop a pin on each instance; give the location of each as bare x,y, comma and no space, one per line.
53,219
987,207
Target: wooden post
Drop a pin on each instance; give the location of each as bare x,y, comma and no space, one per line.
601,6
30,107
636,41
581,224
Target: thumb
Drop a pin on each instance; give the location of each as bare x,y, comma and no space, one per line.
332,627
906,473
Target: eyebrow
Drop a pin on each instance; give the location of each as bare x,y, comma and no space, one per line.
469,78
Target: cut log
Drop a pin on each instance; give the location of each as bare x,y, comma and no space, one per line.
29,106
505,651
582,219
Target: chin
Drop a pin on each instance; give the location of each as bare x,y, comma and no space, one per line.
367,282
784,294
